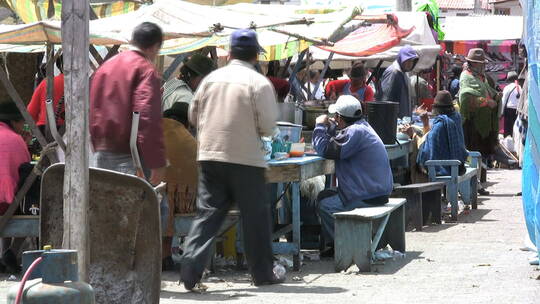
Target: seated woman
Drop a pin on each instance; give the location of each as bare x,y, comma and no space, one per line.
445,139
13,153
181,175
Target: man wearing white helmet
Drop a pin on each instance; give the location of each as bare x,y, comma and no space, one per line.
362,167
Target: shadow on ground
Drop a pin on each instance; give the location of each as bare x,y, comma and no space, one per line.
242,291
235,285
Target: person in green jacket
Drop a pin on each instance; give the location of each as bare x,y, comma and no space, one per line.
479,104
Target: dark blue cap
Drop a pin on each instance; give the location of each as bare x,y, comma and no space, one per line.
245,38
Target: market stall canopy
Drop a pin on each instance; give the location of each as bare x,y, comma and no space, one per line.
421,39
483,28
283,30
37,10
112,30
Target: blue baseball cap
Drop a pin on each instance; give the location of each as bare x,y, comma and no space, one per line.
245,38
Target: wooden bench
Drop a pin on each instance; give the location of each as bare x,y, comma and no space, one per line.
466,184
21,226
422,199
355,242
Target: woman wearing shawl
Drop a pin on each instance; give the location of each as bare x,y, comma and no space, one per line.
479,104
181,174
13,153
445,139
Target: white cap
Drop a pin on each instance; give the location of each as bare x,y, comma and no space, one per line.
346,106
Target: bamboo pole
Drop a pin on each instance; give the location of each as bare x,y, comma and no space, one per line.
312,40
75,42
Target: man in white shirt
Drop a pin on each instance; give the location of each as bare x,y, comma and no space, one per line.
510,100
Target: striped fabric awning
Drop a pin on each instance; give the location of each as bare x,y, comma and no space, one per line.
36,10
370,40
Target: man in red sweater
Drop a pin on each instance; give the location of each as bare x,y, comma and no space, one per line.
36,106
355,86
125,84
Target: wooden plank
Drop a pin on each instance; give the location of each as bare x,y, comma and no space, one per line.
372,213
96,55
352,244
378,235
297,172
112,51
282,174
421,187
19,226
75,43
324,167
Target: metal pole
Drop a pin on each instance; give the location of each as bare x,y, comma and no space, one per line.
75,43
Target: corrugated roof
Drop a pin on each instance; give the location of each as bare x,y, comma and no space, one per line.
461,4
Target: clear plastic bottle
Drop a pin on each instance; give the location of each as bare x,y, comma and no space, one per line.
279,271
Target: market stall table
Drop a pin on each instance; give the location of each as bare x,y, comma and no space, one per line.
293,170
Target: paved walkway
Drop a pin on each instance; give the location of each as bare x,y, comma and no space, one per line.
474,261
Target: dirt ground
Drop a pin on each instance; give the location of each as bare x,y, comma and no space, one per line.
477,260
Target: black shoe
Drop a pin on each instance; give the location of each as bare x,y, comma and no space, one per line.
274,280
328,253
483,192
519,194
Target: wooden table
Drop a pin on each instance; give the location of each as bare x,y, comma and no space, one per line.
293,170
398,151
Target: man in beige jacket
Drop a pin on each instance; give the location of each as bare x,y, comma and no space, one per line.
233,107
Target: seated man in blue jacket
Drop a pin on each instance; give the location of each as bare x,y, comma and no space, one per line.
363,170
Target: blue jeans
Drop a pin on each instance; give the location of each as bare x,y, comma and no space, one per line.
333,204
122,163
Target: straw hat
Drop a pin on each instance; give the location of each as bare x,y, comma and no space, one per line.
476,55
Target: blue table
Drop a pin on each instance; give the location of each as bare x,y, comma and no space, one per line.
399,153
293,170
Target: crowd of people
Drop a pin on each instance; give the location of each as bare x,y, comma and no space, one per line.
200,133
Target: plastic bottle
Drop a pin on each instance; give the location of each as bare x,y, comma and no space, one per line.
279,271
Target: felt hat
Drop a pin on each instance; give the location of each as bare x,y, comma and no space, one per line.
476,55
443,103
9,111
443,99
202,65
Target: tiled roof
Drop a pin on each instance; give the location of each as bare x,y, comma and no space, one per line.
461,4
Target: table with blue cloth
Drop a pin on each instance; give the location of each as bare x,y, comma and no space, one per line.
295,170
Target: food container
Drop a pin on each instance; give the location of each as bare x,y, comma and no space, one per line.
297,150
286,111
289,132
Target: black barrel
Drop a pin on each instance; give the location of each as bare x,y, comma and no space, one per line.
382,116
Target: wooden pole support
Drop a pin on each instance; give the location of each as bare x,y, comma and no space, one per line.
75,43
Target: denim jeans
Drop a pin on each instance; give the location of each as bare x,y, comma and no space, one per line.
122,163
333,204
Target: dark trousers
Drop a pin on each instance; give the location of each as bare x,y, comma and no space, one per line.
510,116
221,184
